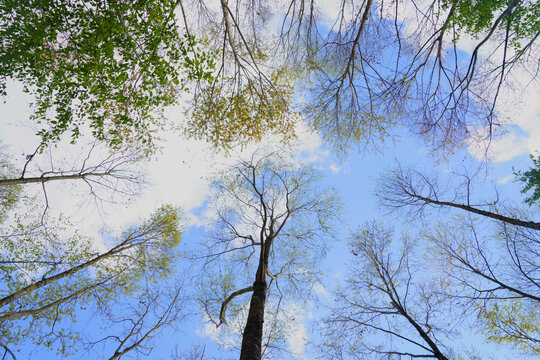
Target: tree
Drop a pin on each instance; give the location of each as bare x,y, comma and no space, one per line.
373,66
251,92
387,309
227,115
411,190
271,221
49,277
141,316
9,195
111,66
107,67
531,178
98,174
495,276
490,254
412,68
107,174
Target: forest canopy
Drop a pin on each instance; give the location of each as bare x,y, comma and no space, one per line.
90,225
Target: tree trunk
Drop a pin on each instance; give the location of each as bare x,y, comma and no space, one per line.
252,337
528,224
44,179
253,332
46,281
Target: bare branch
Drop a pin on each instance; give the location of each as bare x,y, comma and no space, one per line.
228,300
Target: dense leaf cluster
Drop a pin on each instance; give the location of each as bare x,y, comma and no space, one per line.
107,65
531,178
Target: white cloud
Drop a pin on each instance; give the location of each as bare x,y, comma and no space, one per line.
319,289
334,168
505,179
297,338
217,334
330,11
177,175
294,316
521,111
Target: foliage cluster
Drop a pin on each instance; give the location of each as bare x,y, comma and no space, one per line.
520,18
108,65
531,178
239,117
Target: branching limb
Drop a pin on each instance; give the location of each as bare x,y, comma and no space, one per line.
228,300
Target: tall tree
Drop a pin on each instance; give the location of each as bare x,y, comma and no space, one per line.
489,253
377,65
272,218
387,308
139,317
48,276
111,66
252,89
372,66
95,167
414,191
495,275
107,176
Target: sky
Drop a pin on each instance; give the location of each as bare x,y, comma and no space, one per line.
179,175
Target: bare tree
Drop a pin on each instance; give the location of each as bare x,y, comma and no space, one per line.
271,222
109,176
414,191
378,66
496,276
130,323
114,171
489,252
379,63
386,308
250,92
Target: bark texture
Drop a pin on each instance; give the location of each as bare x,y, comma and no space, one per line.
252,337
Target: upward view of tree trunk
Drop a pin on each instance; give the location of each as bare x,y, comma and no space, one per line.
265,206
253,332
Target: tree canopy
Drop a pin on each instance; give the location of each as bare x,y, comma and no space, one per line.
107,67
487,252
48,278
378,64
110,69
